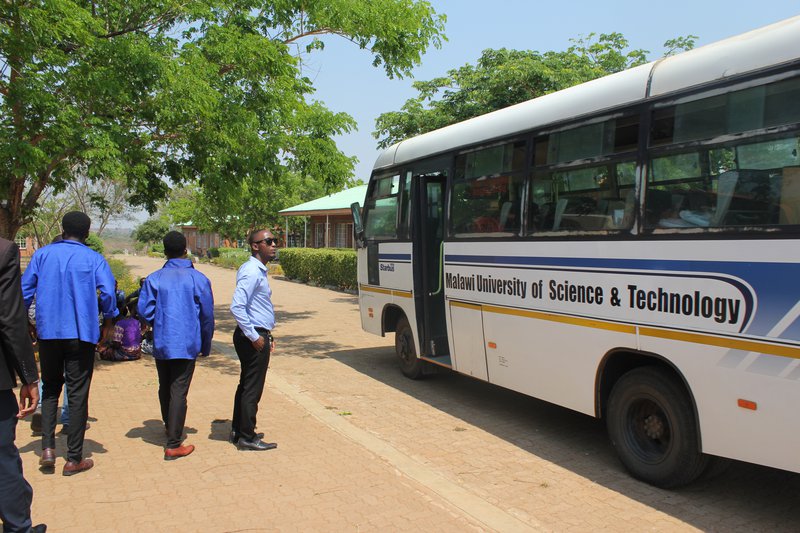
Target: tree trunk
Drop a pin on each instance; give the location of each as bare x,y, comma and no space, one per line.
9,224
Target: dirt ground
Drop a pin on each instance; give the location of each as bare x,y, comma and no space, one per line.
363,448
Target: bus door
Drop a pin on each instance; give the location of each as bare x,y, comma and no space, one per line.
428,235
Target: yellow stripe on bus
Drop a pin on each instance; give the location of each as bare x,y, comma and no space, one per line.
723,342
391,292
576,321
661,333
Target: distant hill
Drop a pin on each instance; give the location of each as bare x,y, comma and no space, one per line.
118,239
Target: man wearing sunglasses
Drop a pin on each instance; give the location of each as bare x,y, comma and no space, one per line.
255,316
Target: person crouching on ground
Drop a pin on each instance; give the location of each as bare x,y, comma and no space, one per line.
178,303
126,344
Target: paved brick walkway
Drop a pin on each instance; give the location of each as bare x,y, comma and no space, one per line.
363,449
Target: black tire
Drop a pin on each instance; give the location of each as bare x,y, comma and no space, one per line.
715,468
652,426
406,350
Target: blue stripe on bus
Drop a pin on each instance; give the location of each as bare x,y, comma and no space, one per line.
775,284
395,257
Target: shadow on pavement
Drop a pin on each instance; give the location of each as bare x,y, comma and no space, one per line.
90,447
222,360
152,432
285,317
224,321
220,429
744,494
305,346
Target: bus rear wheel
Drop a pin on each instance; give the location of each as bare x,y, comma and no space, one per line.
652,426
411,365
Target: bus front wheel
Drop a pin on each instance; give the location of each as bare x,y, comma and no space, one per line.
406,350
652,426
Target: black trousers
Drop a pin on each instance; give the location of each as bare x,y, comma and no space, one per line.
251,382
15,493
71,360
174,378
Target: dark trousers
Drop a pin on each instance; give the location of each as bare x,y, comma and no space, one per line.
71,360
251,383
15,493
174,378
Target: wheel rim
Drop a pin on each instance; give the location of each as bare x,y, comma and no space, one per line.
649,432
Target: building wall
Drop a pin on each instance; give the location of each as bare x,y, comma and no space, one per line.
198,241
26,246
338,231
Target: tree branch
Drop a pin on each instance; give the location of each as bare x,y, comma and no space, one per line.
318,31
43,179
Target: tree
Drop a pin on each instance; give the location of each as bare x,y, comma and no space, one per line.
255,204
94,242
45,222
506,77
151,230
104,200
208,91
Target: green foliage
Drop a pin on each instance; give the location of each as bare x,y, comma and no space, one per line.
95,243
207,91
679,44
213,252
255,204
503,77
122,273
151,230
235,257
606,54
322,266
232,257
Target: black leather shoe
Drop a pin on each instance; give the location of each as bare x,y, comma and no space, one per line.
233,438
257,445
39,528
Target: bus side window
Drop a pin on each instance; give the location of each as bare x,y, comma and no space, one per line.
380,209
486,205
581,199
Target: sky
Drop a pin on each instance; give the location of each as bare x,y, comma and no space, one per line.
347,82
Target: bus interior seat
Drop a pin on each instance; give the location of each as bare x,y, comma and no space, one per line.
558,212
613,209
657,207
754,198
485,224
726,184
505,210
509,217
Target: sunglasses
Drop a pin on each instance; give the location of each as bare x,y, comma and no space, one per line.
269,241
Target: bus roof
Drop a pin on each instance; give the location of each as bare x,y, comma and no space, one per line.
764,47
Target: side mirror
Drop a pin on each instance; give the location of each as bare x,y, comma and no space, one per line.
358,225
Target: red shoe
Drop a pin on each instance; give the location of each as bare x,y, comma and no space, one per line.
170,454
71,467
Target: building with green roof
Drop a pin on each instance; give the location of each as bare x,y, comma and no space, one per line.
330,220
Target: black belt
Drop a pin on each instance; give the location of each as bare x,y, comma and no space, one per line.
262,330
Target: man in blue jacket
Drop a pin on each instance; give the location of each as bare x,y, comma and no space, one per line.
65,277
178,303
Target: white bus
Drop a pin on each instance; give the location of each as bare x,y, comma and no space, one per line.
626,248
